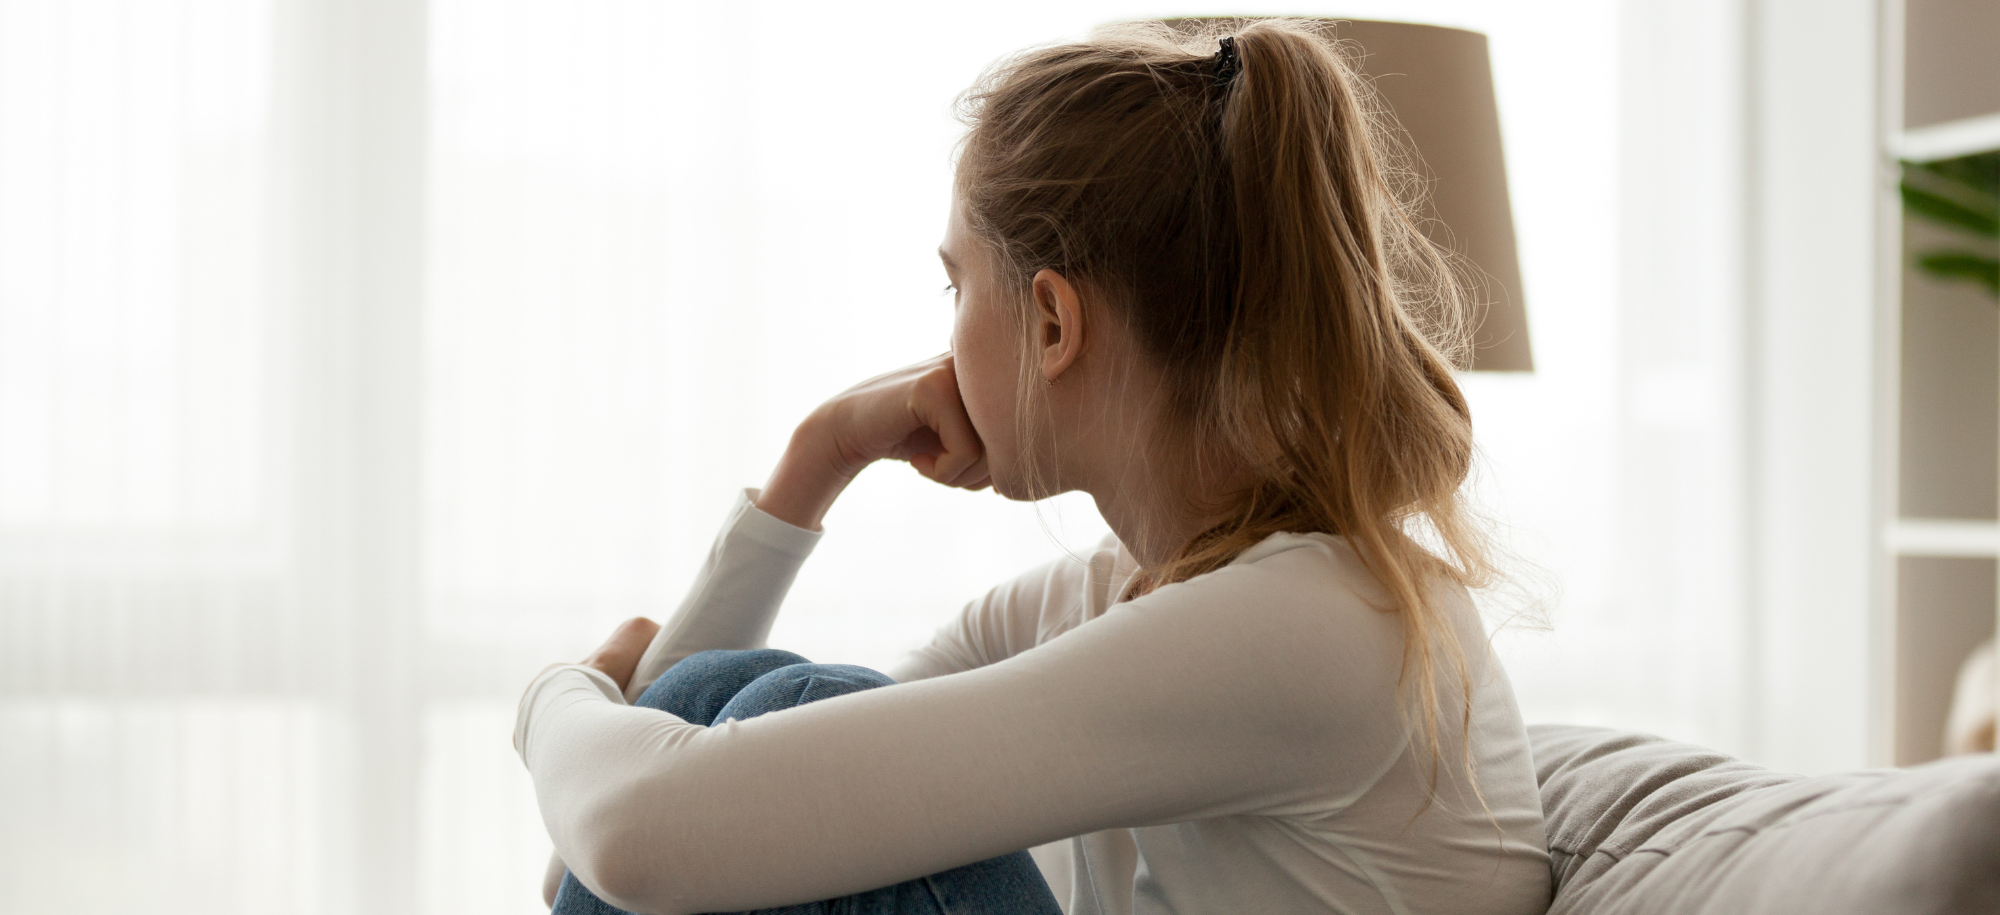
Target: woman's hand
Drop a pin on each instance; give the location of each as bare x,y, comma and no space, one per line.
619,656
912,414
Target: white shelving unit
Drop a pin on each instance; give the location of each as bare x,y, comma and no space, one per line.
1942,539
1948,140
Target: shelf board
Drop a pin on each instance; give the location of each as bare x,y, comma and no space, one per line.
1948,140
1943,537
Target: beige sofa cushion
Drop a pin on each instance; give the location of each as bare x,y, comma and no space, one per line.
1643,826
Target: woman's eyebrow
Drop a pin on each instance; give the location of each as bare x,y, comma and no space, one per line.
949,264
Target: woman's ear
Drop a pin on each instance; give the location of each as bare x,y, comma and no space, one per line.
1059,320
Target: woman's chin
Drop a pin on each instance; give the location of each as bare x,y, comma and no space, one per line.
1013,491
1018,490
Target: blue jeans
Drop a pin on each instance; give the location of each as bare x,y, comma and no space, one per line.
719,685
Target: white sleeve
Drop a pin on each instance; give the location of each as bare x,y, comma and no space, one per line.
999,625
1243,691
735,597
1032,608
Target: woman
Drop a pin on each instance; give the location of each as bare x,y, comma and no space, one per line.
1183,285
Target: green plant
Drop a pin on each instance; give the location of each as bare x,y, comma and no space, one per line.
1962,195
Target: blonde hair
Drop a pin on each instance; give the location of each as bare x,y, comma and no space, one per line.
1253,232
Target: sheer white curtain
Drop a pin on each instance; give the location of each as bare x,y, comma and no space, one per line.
357,359
152,740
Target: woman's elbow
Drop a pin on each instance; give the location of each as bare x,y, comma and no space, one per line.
620,860
623,886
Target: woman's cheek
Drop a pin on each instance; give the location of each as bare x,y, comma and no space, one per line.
986,379
988,403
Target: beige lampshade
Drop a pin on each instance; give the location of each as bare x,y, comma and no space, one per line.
1438,84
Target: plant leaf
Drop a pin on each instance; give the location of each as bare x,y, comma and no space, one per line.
1943,210
1979,174
1964,265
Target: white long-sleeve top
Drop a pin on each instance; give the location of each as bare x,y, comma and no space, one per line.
1228,744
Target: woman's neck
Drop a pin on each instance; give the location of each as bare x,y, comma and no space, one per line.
1156,506
1154,487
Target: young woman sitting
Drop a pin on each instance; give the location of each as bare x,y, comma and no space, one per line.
1186,287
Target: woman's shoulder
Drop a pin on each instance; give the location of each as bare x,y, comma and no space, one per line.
1315,568
1283,571
1306,590
1307,583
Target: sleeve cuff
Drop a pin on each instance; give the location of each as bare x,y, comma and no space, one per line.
557,678
752,523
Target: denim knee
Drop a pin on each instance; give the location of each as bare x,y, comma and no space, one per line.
753,662
798,684
696,689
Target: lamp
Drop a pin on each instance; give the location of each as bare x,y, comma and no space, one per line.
1437,83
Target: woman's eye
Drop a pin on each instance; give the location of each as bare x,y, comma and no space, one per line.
949,289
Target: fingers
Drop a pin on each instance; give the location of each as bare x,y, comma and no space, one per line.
637,630
913,414
619,656
974,477
961,458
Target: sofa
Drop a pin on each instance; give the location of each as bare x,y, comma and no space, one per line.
1638,825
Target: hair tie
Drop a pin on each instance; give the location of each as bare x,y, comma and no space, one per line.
1227,64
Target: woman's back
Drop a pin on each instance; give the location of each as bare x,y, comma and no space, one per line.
1341,819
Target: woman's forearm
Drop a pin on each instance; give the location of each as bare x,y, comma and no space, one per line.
735,596
809,476
912,414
